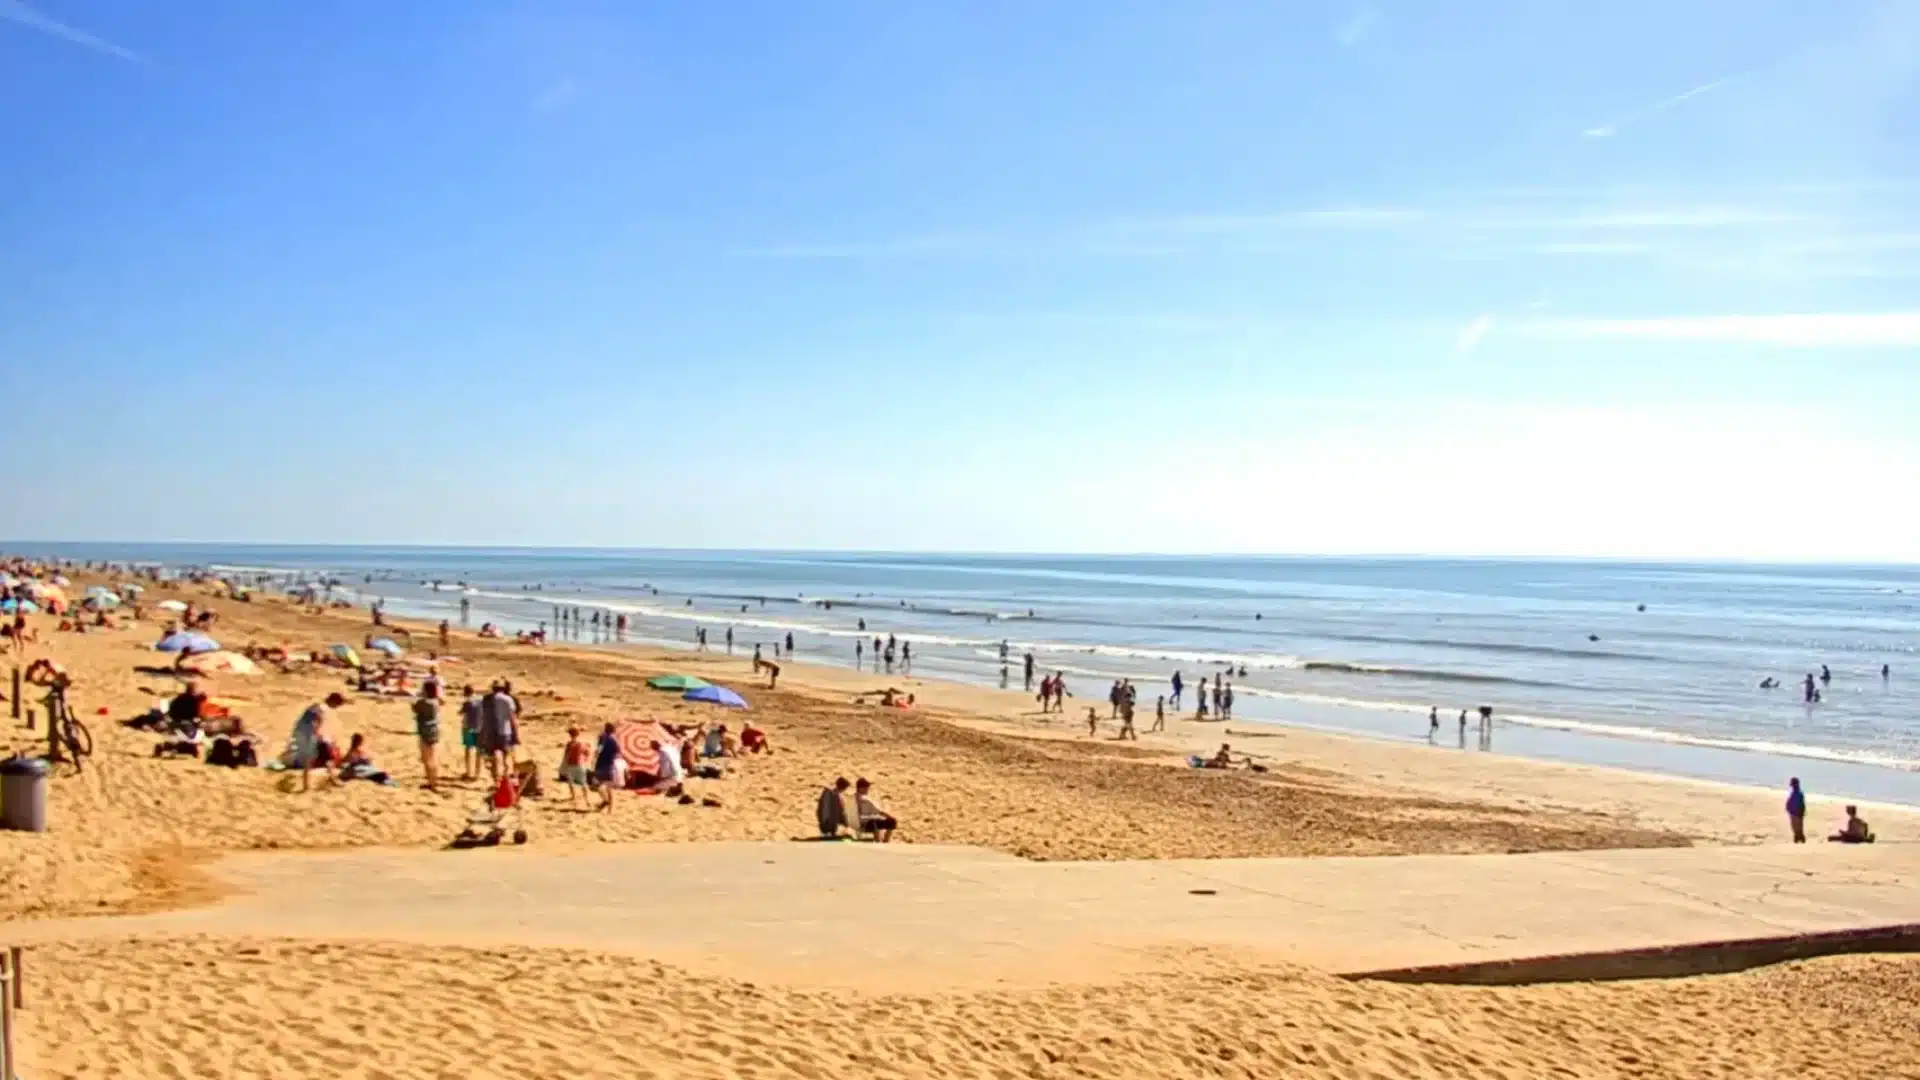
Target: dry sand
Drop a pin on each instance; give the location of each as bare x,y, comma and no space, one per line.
198,1008
970,766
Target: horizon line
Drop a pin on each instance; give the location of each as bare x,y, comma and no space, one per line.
8,548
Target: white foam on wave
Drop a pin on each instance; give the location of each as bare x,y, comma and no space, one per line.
1621,731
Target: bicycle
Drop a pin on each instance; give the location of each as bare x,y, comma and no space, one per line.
71,741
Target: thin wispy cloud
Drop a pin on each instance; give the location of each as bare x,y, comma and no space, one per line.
556,96
1727,231
1614,127
1359,26
1894,329
17,12
1472,334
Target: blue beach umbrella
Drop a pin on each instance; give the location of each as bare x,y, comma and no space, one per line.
11,605
715,695
386,645
187,642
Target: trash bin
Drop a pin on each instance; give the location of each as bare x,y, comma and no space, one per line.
23,794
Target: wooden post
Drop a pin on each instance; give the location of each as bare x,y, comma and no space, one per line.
19,982
9,976
16,691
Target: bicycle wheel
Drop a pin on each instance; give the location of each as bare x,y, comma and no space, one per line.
79,739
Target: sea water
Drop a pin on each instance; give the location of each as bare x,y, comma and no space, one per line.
1651,666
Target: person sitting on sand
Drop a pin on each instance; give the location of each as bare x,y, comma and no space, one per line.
830,812
719,744
872,820
183,712
488,630
1223,759
357,764
1855,831
753,740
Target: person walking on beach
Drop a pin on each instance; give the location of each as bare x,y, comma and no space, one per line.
889,654
1027,679
906,657
465,606
859,652
1807,691
756,656
446,634
729,641
789,643
1433,723
1797,810
1826,677
1226,702
1113,700
1176,691
1159,715
1463,729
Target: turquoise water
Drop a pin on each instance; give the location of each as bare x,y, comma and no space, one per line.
1564,652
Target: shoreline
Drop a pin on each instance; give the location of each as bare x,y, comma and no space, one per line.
1713,768
1438,769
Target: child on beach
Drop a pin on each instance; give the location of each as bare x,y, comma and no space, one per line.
573,767
470,735
1093,722
1159,715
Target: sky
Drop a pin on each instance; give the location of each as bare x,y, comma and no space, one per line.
1497,277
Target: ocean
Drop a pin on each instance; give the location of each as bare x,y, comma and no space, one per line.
1650,666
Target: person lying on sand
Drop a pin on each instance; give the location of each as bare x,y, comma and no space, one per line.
872,820
488,630
1855,831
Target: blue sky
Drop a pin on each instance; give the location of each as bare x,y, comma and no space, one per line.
1484,278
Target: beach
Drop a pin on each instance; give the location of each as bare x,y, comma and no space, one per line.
968,767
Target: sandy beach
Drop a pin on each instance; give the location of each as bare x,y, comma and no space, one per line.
967,766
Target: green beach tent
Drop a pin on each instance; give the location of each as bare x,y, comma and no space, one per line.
677,682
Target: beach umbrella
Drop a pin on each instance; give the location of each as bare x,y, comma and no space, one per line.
187,642
636,738
346,653
132,589
716,695
677,682
11,605
171,605
60,581
215,663
47,594
386,645
101,601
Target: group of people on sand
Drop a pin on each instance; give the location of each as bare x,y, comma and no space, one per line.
686,750
1854,830
311,746
1053,693
867,819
